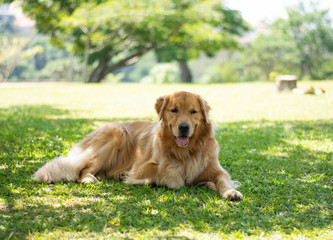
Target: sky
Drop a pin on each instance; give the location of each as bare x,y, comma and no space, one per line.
254,11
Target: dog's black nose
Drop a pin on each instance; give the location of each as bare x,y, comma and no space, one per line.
183,129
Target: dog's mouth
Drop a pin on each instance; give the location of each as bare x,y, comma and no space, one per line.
182,141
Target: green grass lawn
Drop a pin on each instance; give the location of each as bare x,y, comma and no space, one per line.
279,146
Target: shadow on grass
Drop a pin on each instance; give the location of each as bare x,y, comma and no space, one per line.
285,169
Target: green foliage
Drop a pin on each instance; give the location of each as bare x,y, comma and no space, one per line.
272,52
252,74
273,75
140,69
215,28
163,73
49,52
112,35
12,50
36,55
312,33
327,68
220,73
60,69
117,33
114,78
284,165
300,45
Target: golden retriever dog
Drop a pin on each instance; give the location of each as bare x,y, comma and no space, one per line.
178,150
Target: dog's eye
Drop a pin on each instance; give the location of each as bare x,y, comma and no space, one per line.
174,110
193,112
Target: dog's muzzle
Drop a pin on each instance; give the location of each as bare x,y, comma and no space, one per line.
183,131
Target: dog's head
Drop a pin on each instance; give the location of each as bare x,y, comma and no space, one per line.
183,113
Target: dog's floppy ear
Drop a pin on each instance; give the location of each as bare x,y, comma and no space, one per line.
160,105
205,108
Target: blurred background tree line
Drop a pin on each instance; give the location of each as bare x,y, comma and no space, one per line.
160,41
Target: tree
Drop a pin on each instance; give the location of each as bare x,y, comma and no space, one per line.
312,33
300,45
113,34
12,50
36,67
272,52
216,28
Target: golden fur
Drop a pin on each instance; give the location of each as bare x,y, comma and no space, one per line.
178,150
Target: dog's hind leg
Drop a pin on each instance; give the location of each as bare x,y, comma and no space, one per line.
111,150
64,168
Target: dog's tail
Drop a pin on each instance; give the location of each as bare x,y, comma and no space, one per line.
64,168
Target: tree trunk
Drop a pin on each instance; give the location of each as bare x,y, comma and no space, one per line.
85,60
100,71
103,67
303,65
301,70
185,72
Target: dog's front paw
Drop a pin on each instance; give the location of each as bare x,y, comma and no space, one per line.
121,176
130,180
232,195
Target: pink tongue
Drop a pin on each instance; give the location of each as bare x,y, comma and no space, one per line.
182,141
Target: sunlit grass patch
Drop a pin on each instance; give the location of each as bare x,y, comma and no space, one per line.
278,146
